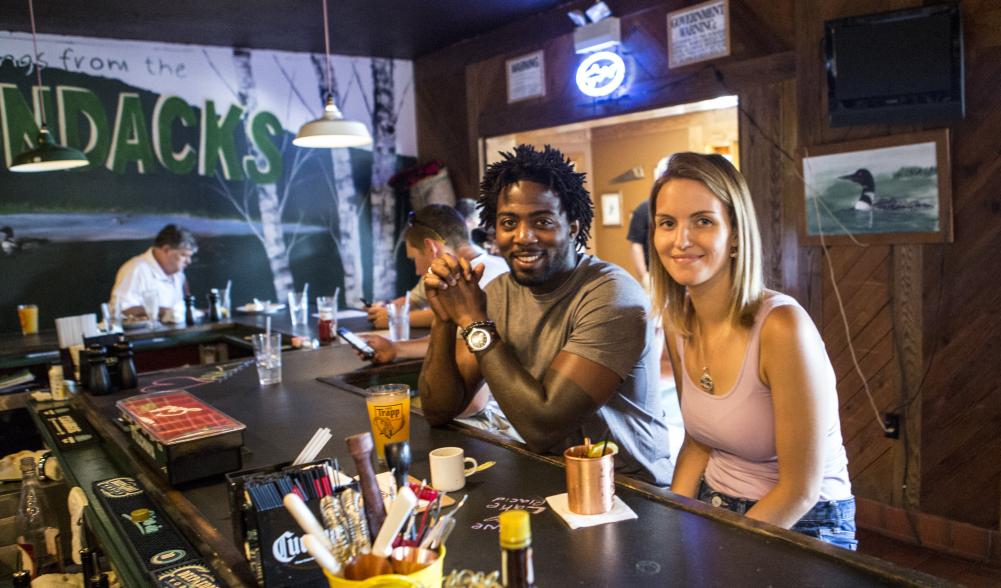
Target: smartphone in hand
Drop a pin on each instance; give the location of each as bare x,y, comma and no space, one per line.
357,342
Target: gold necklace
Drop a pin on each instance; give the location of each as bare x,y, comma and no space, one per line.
706,381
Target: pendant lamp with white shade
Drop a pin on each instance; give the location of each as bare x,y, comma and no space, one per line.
47,155
331,130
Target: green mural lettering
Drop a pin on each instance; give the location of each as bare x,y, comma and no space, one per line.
20,127
217,145
167,110
264,129
130,139
75,103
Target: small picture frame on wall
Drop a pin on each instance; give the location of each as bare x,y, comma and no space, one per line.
611,209
884,190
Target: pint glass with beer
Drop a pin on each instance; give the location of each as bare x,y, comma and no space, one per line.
389,415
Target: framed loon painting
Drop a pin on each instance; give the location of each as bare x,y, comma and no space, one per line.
883,190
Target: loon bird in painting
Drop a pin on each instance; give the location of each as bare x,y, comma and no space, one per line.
867,201
863,177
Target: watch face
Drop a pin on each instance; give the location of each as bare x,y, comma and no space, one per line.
478,339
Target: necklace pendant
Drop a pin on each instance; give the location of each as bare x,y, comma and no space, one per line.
706,381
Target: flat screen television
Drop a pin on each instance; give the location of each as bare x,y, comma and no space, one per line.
904,66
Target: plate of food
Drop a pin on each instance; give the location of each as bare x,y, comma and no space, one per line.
261,307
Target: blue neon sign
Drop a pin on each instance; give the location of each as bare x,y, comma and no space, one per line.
601,74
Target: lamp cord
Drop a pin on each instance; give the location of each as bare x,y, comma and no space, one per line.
38,68
326,49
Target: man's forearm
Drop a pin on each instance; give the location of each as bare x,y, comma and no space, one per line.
541,418
443,392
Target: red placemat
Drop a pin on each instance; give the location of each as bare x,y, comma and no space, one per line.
172,417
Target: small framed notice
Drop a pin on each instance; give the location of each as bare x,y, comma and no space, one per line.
698,33
611,209
526,77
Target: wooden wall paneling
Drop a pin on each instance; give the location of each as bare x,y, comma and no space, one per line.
907,333
863,296
766,185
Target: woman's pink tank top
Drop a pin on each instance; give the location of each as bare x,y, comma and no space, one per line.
739,426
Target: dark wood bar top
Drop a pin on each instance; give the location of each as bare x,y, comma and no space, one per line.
674,541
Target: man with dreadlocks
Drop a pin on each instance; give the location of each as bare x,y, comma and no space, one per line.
562,340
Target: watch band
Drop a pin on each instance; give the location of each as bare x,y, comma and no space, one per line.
487,324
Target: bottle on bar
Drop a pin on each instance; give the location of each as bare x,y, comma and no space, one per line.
516,549
37,532
214,305
189,310
127,376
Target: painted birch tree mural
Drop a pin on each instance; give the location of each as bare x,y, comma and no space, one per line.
383,167
347,200
269,203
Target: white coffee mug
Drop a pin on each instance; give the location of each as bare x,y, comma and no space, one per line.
448,468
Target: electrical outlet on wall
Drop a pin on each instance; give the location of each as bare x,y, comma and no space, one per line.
891,422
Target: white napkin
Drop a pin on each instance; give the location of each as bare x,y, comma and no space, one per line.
620,512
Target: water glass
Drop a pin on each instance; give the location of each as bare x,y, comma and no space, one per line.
226,303
268,353
298,307
399,321
151,304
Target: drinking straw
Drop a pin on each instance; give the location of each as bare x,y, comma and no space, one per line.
604,442
267,329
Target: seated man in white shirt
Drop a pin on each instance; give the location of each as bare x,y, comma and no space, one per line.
159,269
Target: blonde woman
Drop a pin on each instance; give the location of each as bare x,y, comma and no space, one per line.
758,396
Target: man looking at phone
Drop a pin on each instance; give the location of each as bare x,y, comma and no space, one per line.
563,340
434,230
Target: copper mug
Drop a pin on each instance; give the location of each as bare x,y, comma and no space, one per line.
590,481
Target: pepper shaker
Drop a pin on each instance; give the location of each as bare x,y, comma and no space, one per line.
214,305
128,378
189,310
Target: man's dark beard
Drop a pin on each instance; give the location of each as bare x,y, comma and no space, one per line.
556,266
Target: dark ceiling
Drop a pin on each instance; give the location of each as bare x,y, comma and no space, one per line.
404,29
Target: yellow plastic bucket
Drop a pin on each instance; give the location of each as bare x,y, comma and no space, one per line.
429,577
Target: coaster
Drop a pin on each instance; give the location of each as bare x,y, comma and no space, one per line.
620,512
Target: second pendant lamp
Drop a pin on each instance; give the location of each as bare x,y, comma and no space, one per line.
331,130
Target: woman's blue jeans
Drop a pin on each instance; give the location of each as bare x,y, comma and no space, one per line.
831,521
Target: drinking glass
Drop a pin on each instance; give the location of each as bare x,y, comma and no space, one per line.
326,307
298,307
28,315
398,317
151,304
389,415
268,353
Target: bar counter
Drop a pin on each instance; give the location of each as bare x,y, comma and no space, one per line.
675,541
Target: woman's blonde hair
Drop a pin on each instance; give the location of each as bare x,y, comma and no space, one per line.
722,179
